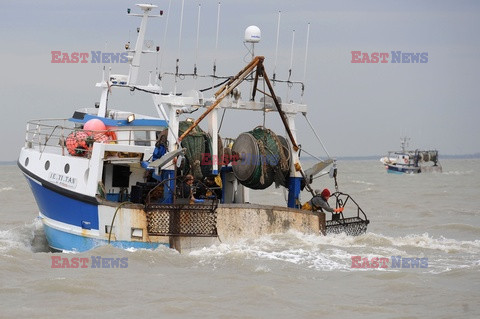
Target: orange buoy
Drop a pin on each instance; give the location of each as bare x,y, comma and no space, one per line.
77,143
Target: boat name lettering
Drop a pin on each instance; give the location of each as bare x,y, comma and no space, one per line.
63,180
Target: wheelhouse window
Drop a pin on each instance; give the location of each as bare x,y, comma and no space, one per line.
142,138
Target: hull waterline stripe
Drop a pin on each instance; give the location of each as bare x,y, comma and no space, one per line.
64,241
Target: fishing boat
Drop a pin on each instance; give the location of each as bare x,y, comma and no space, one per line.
109,176
411,161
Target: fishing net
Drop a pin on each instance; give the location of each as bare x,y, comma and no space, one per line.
352,226
199,154
270,159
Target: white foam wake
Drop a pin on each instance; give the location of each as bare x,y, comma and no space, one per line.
334,252
21,237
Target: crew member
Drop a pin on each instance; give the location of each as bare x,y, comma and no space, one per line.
320,202
186,189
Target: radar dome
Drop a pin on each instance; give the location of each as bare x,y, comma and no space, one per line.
253,34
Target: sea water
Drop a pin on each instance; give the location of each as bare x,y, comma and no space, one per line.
433,218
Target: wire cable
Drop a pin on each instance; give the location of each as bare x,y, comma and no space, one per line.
316,135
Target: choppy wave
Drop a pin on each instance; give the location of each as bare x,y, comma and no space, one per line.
334,252
457,173
460,227
361,182
28,237
322,253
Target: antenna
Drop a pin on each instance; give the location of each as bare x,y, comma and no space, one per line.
276,48
164,40
106,50
196,47
291,56
216,46
289,83
179,46
135,60
305,65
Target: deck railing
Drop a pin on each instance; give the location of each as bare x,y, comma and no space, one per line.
54,133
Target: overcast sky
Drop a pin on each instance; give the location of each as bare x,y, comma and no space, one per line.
358,109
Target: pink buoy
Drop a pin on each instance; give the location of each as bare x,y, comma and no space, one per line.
94,125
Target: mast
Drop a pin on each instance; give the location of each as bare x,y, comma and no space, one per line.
137,53
131,78
404,143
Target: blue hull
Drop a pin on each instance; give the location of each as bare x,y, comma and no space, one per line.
391,171
64,209
60,240
80,215
402,169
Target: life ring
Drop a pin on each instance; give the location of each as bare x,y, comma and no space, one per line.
405,160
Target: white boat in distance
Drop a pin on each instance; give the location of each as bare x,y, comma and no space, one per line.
411,161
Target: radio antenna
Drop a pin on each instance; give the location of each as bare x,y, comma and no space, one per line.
216,46
305,65
164,41
291,56
196,46
179,46
291,65
276,48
